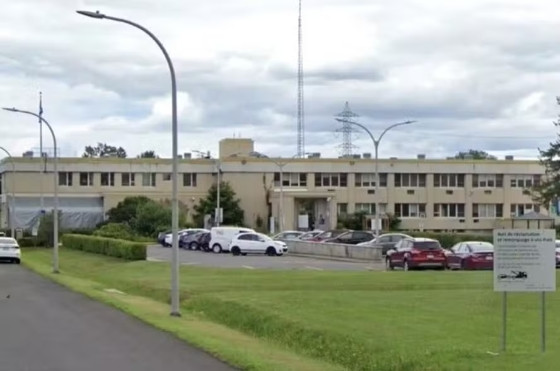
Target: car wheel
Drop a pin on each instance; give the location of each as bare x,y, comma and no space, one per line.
216,248
244,253
193,246
270,251
406,267
388,265
235,251
17,261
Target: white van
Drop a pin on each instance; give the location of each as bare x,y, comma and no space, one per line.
220,237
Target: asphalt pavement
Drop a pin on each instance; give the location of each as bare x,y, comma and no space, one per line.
287,261
45,327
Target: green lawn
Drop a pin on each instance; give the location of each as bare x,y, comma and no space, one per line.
352,320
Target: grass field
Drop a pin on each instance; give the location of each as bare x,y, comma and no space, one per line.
352,320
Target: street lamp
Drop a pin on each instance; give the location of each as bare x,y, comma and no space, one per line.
55,164
376,145
174,198
13,192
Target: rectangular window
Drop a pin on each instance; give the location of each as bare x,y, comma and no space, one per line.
149,179
167,177
331,180
368,180
369,208
410,180
522,209
449,210
449,180
487,180
108,179
488,210
342,209
524,181
65,178
410,210
291,179
86,179
128,179
189,180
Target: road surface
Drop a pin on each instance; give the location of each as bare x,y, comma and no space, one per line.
45,327
204,259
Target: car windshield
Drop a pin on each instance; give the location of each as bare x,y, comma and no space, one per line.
426,245
482,247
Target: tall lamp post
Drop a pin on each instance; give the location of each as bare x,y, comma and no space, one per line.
376,145
55,165
174,198
13,192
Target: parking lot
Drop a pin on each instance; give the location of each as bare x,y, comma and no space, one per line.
204,259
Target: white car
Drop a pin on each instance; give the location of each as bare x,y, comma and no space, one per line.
256,243
9,250
288,235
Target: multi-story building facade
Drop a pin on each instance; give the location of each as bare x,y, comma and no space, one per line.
426,194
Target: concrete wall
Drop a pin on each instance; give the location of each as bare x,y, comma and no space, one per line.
334,250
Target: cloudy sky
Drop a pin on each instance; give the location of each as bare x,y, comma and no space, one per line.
478,74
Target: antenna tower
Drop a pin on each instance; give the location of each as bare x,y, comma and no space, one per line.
300,122
346,118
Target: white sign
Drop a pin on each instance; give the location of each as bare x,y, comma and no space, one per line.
524,260
303,221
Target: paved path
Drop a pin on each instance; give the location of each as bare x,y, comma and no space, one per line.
45,327
204,259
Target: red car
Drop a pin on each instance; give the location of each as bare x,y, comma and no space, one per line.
413,253
471,255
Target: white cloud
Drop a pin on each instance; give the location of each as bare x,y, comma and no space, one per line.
476,74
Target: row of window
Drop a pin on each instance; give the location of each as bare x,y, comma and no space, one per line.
405,180
107,179
451,210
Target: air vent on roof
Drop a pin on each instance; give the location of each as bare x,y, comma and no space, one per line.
187,155
315,155
421,156
509,158
356,156
393,158
28,154
366,155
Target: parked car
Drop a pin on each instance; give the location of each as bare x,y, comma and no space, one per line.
9,250
288,235
203,241
411,253
188,239
161,237
387,241
327,235
471,255
351,237
168,239
222,236
256,243
307,236
557,253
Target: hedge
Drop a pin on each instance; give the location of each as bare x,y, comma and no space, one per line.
447,240
106,246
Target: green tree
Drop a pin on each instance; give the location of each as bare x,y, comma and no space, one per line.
548,190
233,214
126,210
148,154
104,150
475,154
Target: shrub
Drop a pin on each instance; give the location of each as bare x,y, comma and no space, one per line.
447,240
106,246
27,242
115,230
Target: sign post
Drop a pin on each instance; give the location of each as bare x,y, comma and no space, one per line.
524,261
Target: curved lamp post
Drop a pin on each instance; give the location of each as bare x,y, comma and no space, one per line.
13,192
174,199
376,145
55,162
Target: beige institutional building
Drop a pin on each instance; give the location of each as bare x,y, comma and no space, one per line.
426,194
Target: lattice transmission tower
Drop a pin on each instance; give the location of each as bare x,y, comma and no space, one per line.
346,117
300,115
